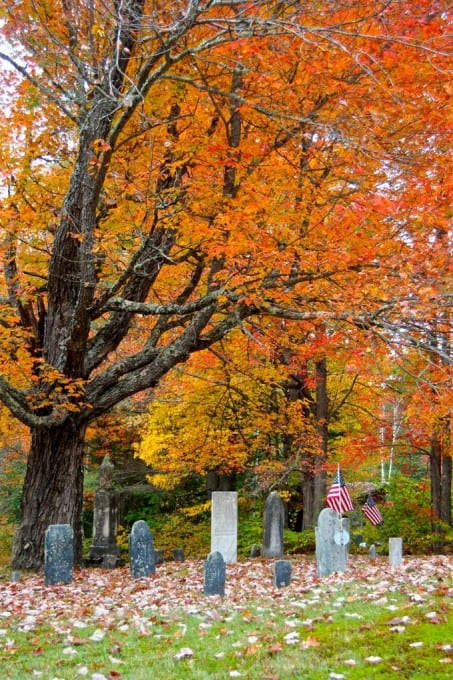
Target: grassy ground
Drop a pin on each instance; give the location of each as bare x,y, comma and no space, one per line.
373,621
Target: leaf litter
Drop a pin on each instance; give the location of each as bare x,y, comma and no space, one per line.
104,602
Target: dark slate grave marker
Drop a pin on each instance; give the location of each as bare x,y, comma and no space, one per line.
178,555
58,554
282,573
141,550
214,574
159,556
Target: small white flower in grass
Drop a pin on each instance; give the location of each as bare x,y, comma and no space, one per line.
431,615
373,659
235,674
337,676
252,639
82,670
184,653
219,655
416,644
98,676
350,662
3,631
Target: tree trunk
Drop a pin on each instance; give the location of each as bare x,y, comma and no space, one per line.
52,492
308,493
322,421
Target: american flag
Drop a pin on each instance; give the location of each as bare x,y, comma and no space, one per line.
338,497
372,512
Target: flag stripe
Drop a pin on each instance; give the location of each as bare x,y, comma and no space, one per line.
338,498
372,512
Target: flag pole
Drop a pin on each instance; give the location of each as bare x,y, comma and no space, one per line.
339,488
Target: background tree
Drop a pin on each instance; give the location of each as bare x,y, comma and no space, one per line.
172,171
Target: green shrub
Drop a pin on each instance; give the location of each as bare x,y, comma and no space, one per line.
407,513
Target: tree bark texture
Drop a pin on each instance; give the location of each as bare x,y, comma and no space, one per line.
52,493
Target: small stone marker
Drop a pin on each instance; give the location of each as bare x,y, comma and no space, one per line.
159,556
58,554
141,550
395,551
224,524
274,523
332,540
254,551
372,552
15,576
282,573
214,574
178,555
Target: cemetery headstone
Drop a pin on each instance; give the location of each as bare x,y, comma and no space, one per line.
58,554
159,556
282,573
274,524
332,540
214,574
141,550
178,555
224,524
372,552
395,551
15,576
105,550
255,551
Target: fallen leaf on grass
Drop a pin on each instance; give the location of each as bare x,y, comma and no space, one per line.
184,653
373,659
275,648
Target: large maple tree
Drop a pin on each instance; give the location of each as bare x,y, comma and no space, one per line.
172,171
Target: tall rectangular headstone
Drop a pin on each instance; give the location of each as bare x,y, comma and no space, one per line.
141,550
214,574
274,524
395,551
332,540
224,524
58,554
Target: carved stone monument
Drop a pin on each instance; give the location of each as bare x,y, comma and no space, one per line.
332,540
58,554
141,550
214,574
224,524
104,550
274,523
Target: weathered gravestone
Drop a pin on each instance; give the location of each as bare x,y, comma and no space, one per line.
214,574
224,524
372,552
104,550
159,556
141,550
274,524
178,555
58,554
282,573
255,551
395,551
332,540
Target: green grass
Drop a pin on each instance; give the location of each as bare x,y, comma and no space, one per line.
309,631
